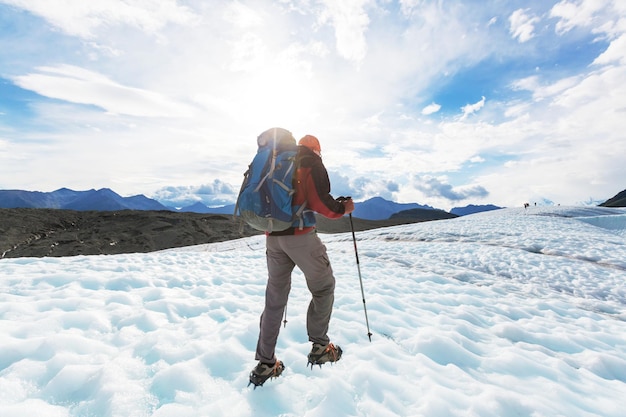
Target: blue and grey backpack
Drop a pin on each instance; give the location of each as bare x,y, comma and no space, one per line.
266,195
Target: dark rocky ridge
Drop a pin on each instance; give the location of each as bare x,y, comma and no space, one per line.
423,214
51,232
27,232
619,200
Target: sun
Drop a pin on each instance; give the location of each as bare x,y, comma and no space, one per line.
279,96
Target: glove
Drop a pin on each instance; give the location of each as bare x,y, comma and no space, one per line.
348,204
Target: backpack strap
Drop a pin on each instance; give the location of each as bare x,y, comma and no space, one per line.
270,171
299,214
246,175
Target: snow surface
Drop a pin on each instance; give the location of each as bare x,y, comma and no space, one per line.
506,313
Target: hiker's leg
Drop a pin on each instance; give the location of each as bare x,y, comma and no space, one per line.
279,268
309,253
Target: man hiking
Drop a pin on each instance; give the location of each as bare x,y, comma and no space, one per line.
300,246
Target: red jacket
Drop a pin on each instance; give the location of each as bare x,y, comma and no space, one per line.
312,188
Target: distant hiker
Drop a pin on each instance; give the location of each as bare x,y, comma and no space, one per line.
299,245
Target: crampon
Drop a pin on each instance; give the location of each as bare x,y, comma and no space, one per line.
320,354
262,372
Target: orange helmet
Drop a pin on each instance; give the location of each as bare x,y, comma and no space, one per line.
312,143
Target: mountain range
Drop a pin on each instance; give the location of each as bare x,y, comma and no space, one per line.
105,199
90,200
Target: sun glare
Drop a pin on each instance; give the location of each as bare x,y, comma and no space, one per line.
280,97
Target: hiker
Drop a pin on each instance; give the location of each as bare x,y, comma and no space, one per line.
300,246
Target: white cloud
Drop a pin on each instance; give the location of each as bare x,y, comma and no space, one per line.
431,108
439,187
522,25
242,16
78,85
365,187
212,194
350,22
469,109
541,92
573,14
83,18
528,83
614,54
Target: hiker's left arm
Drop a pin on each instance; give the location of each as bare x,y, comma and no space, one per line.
318,195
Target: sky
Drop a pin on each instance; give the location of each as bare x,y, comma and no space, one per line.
508,313
438,103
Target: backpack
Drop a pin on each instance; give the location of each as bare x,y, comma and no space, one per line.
266,194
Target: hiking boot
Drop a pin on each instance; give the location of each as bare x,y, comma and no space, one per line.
263,371
320,354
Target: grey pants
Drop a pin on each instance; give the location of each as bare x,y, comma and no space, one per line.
283,254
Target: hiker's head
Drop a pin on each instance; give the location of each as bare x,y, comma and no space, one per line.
312,143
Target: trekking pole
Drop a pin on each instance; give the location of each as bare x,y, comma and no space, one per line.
285,320
358,265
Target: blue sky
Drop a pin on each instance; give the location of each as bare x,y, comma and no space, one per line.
439,103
